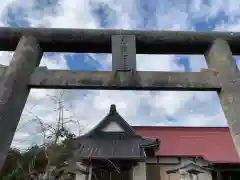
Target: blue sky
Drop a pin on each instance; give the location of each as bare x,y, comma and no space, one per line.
138,108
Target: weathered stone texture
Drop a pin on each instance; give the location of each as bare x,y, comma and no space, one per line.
220,58
140,80
14,89
99,41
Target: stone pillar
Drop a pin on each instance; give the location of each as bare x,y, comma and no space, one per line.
14,89
139,171
220,59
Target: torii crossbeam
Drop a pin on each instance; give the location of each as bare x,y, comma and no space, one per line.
29,44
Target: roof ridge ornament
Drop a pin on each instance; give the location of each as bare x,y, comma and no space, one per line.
113,109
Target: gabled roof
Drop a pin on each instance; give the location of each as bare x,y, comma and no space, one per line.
124,144
214,144
112,116
190,167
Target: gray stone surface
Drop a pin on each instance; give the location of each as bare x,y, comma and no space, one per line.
219,57
140,80
14,89
123,52
99,41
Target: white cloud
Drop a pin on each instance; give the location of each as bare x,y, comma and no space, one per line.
67,14
138,108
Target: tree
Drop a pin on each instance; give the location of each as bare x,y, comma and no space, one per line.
18,165
9,168
38,161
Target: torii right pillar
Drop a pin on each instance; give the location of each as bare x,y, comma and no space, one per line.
219,58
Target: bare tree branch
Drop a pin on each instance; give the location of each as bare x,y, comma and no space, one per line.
55,130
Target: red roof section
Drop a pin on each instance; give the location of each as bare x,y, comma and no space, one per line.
214,144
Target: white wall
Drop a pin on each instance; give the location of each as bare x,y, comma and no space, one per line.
113,127
80,176
139,171
168,163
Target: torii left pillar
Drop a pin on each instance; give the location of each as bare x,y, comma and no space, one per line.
14,89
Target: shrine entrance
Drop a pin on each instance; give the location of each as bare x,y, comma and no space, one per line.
113,149
112,174
28,45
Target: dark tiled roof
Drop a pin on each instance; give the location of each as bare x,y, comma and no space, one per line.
113,147
98,144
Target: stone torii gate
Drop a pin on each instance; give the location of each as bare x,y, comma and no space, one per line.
29,44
